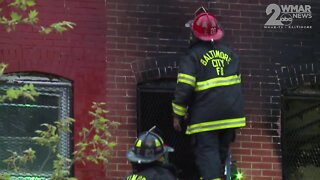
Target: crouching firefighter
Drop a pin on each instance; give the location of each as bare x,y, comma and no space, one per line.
149,158
208,90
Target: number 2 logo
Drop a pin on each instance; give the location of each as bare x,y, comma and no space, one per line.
273,20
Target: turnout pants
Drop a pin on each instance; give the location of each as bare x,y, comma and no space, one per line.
211,150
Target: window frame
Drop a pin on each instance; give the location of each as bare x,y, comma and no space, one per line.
44,84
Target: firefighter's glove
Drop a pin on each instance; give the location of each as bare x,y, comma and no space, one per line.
177,124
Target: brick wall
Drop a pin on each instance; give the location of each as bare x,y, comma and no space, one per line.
78,55
139,33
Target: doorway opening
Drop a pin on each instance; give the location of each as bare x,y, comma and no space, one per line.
154,109
300,133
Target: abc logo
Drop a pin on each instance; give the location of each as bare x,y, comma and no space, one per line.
286,19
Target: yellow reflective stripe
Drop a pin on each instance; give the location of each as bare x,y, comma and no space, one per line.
179,110
216,82
187,79
157,142
133,177
201,178
138,144
136,177
216,125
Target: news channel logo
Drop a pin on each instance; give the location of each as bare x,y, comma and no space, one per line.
288,16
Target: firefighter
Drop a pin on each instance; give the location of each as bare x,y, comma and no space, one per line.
149,158
208,91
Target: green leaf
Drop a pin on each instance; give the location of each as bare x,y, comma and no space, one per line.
72,178
106,142
45,124
112,144
15,16
5,176
115,124
33,14
69,24
2,68
30,3
33,17
58,27
12,94
96,137
45,30
38,131
3,20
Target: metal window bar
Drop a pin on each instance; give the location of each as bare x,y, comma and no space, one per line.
54,100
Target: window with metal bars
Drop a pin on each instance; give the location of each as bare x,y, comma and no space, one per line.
300,133
20,118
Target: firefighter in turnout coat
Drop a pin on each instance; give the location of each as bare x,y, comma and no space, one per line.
148,158
208,95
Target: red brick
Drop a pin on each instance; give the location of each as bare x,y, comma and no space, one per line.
230,13
261,178
125,167
271,173
252,14
271,159
249,131
243,165
252,172
251,145
241,151
262,166
277,166
261,152
261,139
251,159
243,137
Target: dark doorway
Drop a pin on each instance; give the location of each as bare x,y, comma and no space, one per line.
154,108
300,137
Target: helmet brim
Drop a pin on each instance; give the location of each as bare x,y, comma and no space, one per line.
132,157
188,24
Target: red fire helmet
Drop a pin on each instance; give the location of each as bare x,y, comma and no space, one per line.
205,27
